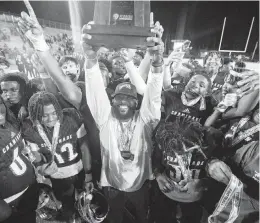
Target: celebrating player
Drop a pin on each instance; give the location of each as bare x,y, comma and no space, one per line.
18,189
60,138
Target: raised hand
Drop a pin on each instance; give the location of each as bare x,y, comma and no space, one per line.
157,29
89,51
29,22
176,58
30,27
249,83
127,54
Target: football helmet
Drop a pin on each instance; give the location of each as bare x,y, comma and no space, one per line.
92,207
48,205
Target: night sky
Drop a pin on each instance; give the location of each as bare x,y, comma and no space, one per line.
203,22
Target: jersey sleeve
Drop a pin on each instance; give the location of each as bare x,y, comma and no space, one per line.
77,119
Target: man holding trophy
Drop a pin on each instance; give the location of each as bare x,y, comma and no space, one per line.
125,132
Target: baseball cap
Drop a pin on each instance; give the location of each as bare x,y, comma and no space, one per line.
125,88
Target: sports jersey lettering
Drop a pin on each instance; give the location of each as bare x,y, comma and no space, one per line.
175,171
12,143
181,114
18,167
65,139
67,147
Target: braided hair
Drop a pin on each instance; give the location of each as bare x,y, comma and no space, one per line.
38,101
171,136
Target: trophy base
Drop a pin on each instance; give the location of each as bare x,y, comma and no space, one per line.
116,36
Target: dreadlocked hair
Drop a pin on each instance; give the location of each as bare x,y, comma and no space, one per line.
172,135
40,99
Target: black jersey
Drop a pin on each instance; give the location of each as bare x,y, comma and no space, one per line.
16,171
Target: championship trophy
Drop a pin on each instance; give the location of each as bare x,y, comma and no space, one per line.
121,24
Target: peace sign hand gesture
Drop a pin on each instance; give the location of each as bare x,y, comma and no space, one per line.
30,27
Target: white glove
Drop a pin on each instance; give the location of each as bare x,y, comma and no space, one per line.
30,27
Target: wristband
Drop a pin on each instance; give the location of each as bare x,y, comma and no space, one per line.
88,171
211,160
158,64
221,107
38,43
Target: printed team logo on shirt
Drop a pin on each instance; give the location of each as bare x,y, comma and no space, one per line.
175,169
185,115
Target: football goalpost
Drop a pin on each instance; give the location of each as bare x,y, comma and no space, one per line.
235,51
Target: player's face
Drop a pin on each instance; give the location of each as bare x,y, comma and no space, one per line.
118,66
124,106
137,60
49,117
11,92
71,69
213,63
2,114
197,86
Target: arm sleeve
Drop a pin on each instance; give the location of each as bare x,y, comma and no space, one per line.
135,77
167,78
96,95
150,110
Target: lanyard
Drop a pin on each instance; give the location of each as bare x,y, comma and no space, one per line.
246,134
232,193
51,146
126,134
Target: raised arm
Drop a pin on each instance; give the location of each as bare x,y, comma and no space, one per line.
150,110
246,104
30,27
167,77
133,71
135,77
70,91
144,67
96,95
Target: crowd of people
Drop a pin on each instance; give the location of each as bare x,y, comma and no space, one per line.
109,134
